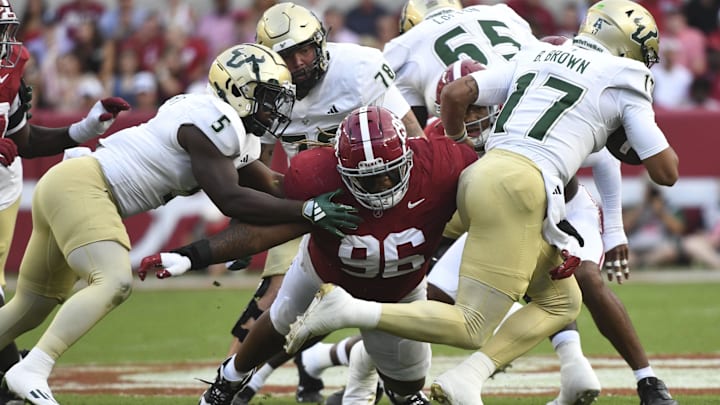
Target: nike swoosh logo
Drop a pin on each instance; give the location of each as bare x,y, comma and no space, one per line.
412,204
2,79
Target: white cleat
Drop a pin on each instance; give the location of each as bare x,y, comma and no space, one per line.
457,386
579,384
31,386
326,313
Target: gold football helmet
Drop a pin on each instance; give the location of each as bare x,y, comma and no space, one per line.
625,28
286,27
414,11
255,81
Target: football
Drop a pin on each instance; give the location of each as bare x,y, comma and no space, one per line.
619,146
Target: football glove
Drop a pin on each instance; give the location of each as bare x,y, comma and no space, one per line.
165,265
98,120
322,212
25,95
567,267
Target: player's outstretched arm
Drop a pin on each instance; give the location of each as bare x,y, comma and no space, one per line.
35,141
235,241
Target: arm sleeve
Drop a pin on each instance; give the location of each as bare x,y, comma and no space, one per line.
608,180
494,84
633,87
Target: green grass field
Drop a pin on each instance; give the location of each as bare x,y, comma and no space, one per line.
183,326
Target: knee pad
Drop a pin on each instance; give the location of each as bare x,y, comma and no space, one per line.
252,311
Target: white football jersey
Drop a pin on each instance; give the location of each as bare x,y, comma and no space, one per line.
560,103
146,166
356,76
487,34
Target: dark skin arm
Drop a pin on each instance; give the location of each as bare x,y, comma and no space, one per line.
217,176
413,127
35,141
260,177
456,97
242,239
663,167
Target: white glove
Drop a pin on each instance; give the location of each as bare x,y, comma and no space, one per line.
99,119
165,265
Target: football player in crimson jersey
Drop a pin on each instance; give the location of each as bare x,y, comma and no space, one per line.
555,113
332,79
19,139
404,191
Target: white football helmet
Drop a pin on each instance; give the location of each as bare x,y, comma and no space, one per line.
255,81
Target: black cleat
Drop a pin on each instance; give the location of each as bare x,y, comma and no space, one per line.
308,390
652,391
417,398
222,391
244,396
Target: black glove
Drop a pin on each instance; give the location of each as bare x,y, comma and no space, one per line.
25,94
322,212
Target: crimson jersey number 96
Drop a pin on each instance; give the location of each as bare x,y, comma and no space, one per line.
376,252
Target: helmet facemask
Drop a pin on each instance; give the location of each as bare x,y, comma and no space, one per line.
364,181
478,130
374,159
307,77
9,26
272,106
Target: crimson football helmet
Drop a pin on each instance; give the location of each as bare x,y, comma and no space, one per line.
374,160
478,130
9,25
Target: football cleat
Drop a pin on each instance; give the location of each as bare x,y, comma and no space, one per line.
652,391
222,391
308,390
8,397
244,396
579,384
418,398
31,386
329,310
460,385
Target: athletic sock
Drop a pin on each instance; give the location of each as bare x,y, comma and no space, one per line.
317,358
643,373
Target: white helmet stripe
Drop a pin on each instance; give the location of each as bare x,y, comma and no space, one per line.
365,134
457,70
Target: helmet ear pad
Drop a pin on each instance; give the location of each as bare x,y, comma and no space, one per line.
374,159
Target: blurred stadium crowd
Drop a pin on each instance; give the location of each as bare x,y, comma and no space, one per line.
86,49
83,50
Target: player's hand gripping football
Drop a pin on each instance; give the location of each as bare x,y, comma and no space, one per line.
567,267
322,212
616,263
165,265
99,119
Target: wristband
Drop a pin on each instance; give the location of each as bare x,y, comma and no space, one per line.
198,252
459,137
